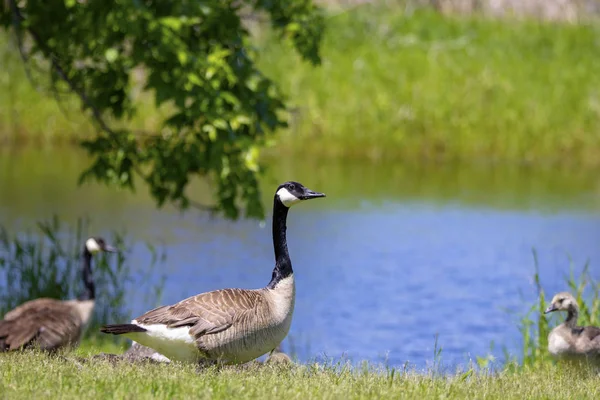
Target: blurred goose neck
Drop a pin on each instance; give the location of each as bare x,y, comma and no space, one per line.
86,271
283,264
573,314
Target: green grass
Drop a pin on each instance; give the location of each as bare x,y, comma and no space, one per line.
76,375
419,86
32,113
32,375
427,87
28,112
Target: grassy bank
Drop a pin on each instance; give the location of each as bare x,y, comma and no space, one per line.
34,375
419,86
427,86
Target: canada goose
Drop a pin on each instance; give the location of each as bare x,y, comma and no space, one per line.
568,339
231,326
51,324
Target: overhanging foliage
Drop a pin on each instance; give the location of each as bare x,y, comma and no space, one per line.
197,59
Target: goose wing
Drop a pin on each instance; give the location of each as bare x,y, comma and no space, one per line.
49,324
207,313
28,307
592,333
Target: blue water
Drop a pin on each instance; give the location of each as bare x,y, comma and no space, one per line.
378,274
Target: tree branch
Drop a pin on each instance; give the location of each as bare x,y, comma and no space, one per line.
16,17
48,53
61,72
203,207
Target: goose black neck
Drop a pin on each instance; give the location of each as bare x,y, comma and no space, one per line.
89,292
283,264
572,315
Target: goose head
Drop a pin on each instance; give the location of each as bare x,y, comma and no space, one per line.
563,301
96,244
290,193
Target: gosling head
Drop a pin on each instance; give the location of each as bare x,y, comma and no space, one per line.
279,358
96,244
291,193
563,301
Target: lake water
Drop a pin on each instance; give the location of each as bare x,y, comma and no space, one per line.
394,256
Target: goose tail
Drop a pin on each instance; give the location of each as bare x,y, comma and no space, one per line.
120,329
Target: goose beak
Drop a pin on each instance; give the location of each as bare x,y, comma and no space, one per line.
550,308
309,194
110,249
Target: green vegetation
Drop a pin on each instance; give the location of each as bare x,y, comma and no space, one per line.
195,59
423,86
418,86
30,375
46,263
29,114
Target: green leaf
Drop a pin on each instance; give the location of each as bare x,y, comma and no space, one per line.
230,98
210,72
195,79
212,132
111,54
251,159
182,56
221,124
293,27
174,23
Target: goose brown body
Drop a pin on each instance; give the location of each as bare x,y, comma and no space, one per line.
231,326
48,323
51,324
568,339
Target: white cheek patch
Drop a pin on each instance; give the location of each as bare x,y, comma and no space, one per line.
287,198
92,246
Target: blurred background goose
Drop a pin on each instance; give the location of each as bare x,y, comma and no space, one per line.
52,324
232,326
568,339
277,356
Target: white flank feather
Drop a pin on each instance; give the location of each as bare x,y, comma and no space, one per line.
173,343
